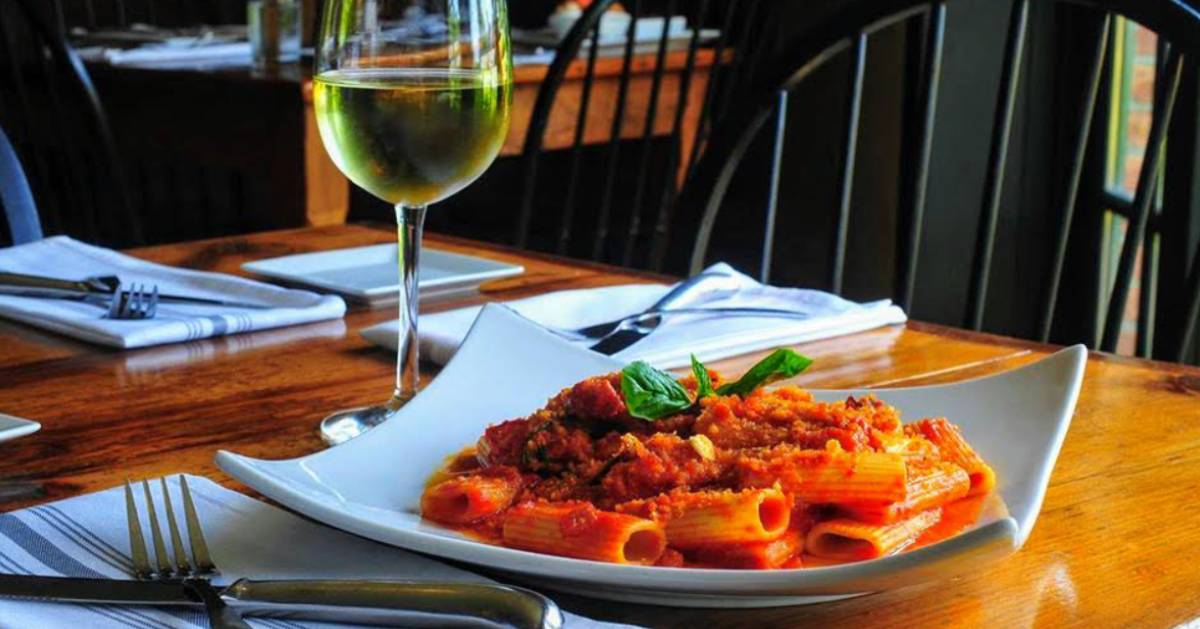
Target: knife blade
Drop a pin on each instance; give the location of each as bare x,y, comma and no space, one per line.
165,298
393,603
99,287
204,301
82,590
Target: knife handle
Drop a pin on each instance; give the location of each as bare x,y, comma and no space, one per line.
697,288
18,280
397,603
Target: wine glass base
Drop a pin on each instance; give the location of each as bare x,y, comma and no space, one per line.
342,426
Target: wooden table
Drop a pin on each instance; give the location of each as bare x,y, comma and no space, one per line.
1115,545
250,138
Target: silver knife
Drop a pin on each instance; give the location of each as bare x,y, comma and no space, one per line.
715,285
104,286
387,603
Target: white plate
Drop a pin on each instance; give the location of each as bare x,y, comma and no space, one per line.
13,427
508,366
370,274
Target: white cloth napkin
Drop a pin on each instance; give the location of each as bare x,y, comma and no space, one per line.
170,53
709,337
86,536
64,258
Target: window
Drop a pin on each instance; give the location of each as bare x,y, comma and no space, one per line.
1135,56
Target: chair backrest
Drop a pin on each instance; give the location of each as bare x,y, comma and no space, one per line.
847,31
57,125
16,199
668,94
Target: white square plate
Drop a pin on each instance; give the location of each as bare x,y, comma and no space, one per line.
508,367
13,427
370,274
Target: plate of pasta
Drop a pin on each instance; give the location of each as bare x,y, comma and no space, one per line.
573,471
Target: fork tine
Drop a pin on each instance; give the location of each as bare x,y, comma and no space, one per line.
160,549
182,567
152,309
137,308
137,543
200,557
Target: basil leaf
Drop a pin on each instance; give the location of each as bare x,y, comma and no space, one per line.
651,394
782,363
703,382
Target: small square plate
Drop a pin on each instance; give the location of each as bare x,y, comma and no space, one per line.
508,366
13,427
370,274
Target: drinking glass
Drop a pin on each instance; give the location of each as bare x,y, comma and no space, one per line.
273,27
412,99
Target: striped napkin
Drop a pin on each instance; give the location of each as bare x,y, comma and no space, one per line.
709,336
169,54
86,536
65,258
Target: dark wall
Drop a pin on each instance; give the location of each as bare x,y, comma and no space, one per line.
170,13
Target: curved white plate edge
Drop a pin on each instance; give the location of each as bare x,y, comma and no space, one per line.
841,579
24,427
1080,354
243,468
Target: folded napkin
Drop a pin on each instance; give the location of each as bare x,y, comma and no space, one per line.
86,536
709,337
169,53
65,258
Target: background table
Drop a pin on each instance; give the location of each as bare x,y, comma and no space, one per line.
220,142
1115,545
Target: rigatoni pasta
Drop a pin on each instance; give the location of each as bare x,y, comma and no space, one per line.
639,467
469,498
695,519
851,540
930,484
578,529
955,449
831,476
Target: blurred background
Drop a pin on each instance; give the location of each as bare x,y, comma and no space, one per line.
205,146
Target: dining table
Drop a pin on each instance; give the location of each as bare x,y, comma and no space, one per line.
1115,544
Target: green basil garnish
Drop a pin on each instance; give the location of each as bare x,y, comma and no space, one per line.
704,386
782,363
651,394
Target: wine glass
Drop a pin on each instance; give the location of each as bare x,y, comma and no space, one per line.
412,99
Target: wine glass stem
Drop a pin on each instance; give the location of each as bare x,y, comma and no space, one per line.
409,223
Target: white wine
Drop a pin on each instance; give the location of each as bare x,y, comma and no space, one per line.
412,136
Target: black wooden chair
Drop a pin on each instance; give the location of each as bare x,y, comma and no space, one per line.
620,210
20,214
1082,196
58,126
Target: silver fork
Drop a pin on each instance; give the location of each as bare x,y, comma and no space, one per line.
193,574
136,303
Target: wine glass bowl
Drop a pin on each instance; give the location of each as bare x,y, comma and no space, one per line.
408,137
412,101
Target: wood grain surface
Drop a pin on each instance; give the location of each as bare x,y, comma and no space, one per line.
1115,544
